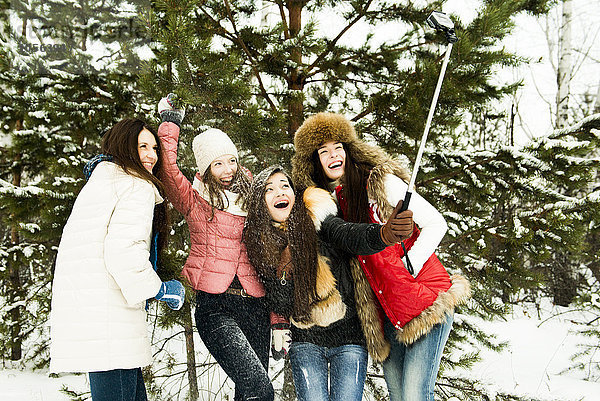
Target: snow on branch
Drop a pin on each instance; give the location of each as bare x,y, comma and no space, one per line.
590,124
6,188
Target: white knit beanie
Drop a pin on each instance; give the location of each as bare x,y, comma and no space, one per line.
209,145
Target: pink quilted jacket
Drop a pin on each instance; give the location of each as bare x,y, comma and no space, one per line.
217,253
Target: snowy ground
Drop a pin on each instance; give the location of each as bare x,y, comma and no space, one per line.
536,360
27,386
539,351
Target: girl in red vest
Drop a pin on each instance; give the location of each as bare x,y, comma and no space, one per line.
417,305
230,314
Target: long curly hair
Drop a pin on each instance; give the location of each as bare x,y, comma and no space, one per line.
265,242
240,185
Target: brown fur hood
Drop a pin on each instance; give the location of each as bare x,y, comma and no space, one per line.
324,127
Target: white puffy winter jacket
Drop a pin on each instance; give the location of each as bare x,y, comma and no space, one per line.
103,276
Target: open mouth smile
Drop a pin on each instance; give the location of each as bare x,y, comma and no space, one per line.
282,204
334,165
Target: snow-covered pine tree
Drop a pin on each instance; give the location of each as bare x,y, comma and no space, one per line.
301,57
26,262
587,265
57,99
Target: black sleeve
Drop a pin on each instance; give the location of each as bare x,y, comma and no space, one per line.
354,238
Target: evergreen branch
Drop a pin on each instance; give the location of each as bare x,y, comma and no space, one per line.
235,38
504,223
221,31
253,61
586,124
286,29
208,365
29,191
332,43
40,288
457,172
557,314
357,56
359,81
368,110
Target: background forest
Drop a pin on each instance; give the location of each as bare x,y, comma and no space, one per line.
524,218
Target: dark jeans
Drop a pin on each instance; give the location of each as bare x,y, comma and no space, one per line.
236,332
118,385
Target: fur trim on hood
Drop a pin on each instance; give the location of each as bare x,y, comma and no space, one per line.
324,127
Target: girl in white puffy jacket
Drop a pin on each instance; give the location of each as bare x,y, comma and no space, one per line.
104,268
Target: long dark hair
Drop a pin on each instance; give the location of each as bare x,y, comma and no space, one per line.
265,242
318,175
240,185
354,182
121,142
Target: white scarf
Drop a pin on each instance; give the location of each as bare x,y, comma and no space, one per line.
229,198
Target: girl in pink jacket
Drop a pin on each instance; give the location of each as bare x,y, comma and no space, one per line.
231,317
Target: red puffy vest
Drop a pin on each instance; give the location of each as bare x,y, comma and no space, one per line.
401,295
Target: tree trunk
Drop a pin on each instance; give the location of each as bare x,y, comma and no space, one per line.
15,290
563,281
296,78
597,103
190,354
288,392
564,72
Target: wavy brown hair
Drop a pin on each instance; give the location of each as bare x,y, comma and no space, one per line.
265,242
121,142
240,185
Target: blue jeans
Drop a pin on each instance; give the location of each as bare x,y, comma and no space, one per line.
411,370
118,385
346,365
236,332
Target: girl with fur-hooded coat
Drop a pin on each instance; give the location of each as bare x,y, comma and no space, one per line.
230,314
418,307
302,251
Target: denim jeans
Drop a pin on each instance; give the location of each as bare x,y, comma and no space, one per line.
236,332
411,370
312,366
118,385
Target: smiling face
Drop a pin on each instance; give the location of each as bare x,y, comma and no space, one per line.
333,159
147,149
279,197
223,169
